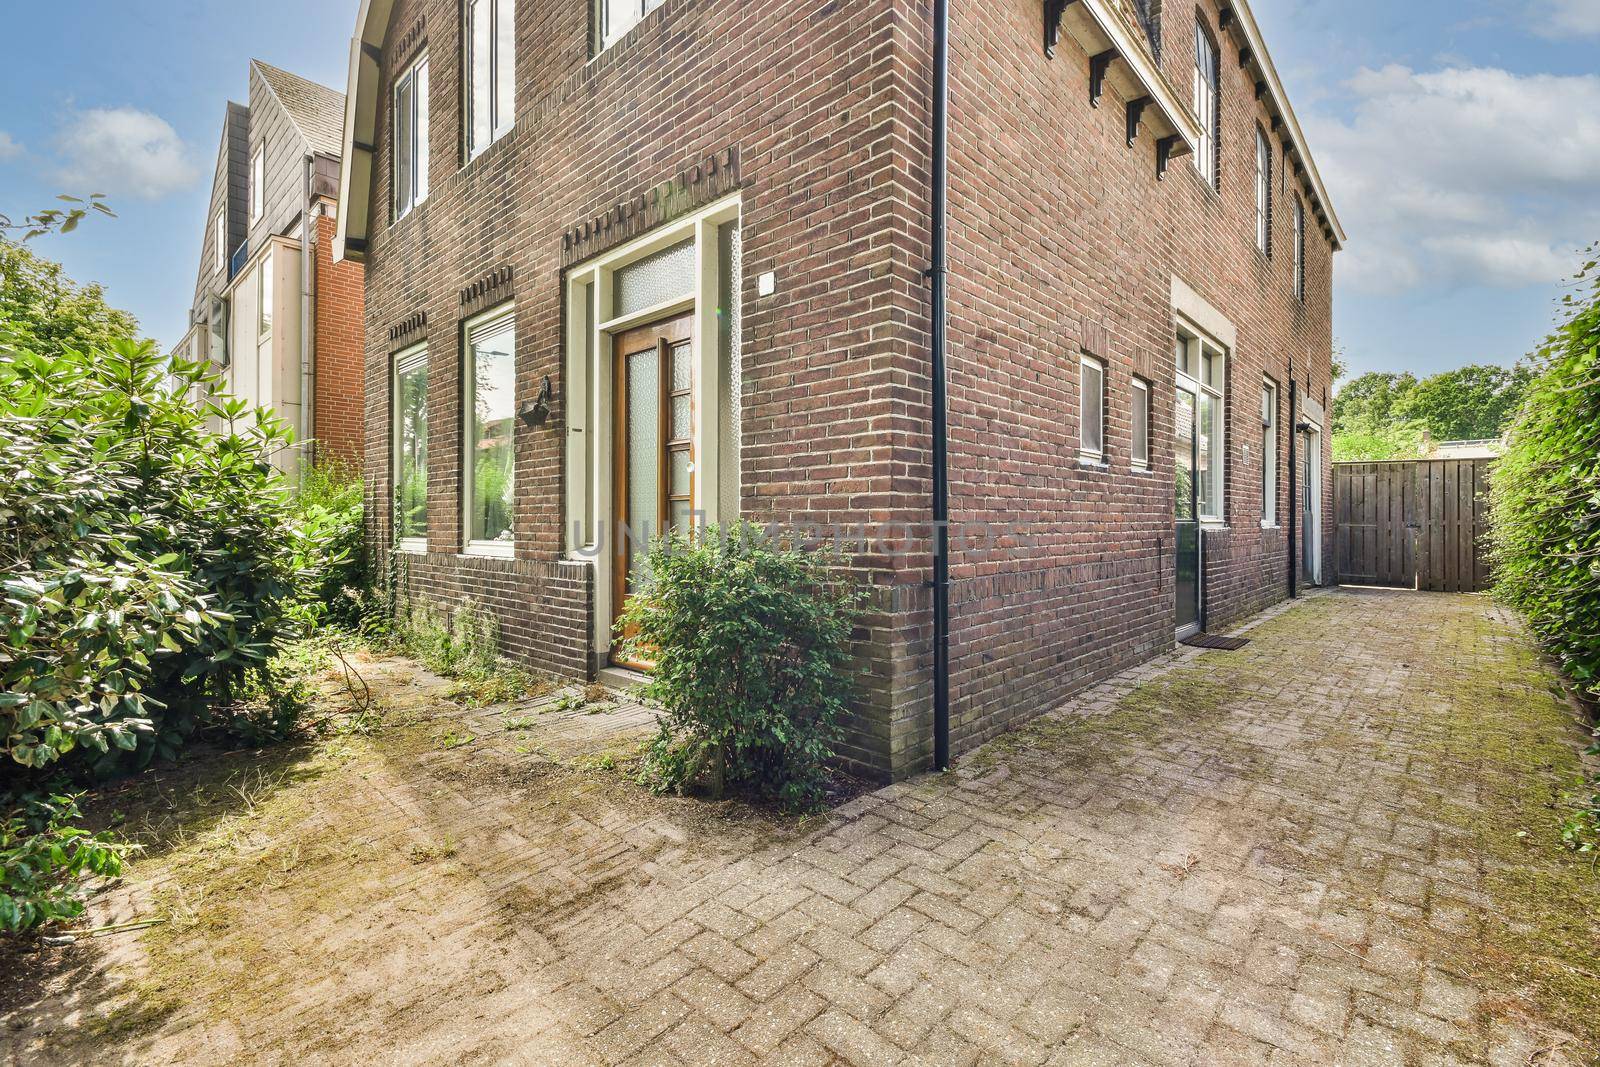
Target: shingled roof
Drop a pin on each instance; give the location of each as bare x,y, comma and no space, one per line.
316,110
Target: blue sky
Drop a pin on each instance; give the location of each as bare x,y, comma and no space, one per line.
1460,140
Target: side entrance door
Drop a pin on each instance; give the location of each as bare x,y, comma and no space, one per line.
1311,511
1186,535
653,450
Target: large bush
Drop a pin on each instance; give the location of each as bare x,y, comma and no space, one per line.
330,545
750,639
1545,529
145,551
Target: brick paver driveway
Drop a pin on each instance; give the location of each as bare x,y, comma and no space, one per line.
1307,851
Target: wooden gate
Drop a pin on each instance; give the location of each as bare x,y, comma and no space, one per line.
1416,523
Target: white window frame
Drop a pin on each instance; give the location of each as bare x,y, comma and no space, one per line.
591,327
1263,193
219,226
419,75
1197,345
499,124
1088,454
611,33
1141,404
1206,101
1269,454
258,181
1299,248
405,361
501,313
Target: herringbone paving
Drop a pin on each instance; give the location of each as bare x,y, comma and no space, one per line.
1258,857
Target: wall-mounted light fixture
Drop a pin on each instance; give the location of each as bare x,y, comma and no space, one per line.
537,412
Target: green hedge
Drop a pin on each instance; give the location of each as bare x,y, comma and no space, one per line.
1546,495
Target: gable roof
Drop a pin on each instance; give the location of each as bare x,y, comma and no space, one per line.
316,110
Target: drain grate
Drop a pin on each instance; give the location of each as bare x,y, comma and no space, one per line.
1224,644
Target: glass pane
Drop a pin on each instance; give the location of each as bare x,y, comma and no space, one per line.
679,516
411,458
1141,425
1180,354
655,279
1206,465
680,418
678,468
620,14
266,295
404,132
478,49
682,369
493,405
422,131
1183,455
644,449
505,65
1091,434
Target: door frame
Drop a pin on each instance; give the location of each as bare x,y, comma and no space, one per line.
1199,623
1311,509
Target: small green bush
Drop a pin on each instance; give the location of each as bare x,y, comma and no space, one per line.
44,858
330,552
750,639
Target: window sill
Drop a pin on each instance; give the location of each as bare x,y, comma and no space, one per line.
419,206
1141,468
1093,461
1265,525
491,549
415,546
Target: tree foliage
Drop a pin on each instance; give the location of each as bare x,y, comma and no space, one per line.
44,312
1386,415
750,637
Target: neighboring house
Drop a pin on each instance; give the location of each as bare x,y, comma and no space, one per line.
1488,448
272,310
632,259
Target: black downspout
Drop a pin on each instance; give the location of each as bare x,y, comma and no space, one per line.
938,276
1294,485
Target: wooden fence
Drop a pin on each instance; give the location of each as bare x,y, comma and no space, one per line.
1422,524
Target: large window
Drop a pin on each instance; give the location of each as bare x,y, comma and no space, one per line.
617,17
1269,453
219,228
1204,365
1299,249
1207,65
491,71
1141,424
258,181
1092,410
1263,192
489,398
411,138
410,401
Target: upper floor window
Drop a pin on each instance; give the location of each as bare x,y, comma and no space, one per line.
219,240
1263,192
491,71
1299,248
1092,410
1207,65
411,138
617,17
258,181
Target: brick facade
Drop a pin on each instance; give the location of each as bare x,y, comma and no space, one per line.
339,345
1062,241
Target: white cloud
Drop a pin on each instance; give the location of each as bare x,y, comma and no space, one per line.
123,151
1465,175
1559,18
9,148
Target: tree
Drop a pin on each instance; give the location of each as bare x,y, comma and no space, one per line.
1467,404
46,313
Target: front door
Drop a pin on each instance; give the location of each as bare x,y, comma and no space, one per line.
1186,539
1311,511
654,450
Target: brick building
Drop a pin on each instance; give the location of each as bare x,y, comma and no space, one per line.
273,312
635,258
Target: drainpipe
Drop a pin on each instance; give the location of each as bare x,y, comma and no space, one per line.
938,275
307,366
1294,484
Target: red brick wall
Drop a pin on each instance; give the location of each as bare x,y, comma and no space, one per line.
339,404
1060,233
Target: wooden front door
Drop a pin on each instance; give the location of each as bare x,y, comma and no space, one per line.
654,448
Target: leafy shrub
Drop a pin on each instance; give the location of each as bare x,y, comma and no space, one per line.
44,856
145,551
330,554
750,638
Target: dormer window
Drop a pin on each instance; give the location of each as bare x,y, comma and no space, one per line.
617,17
